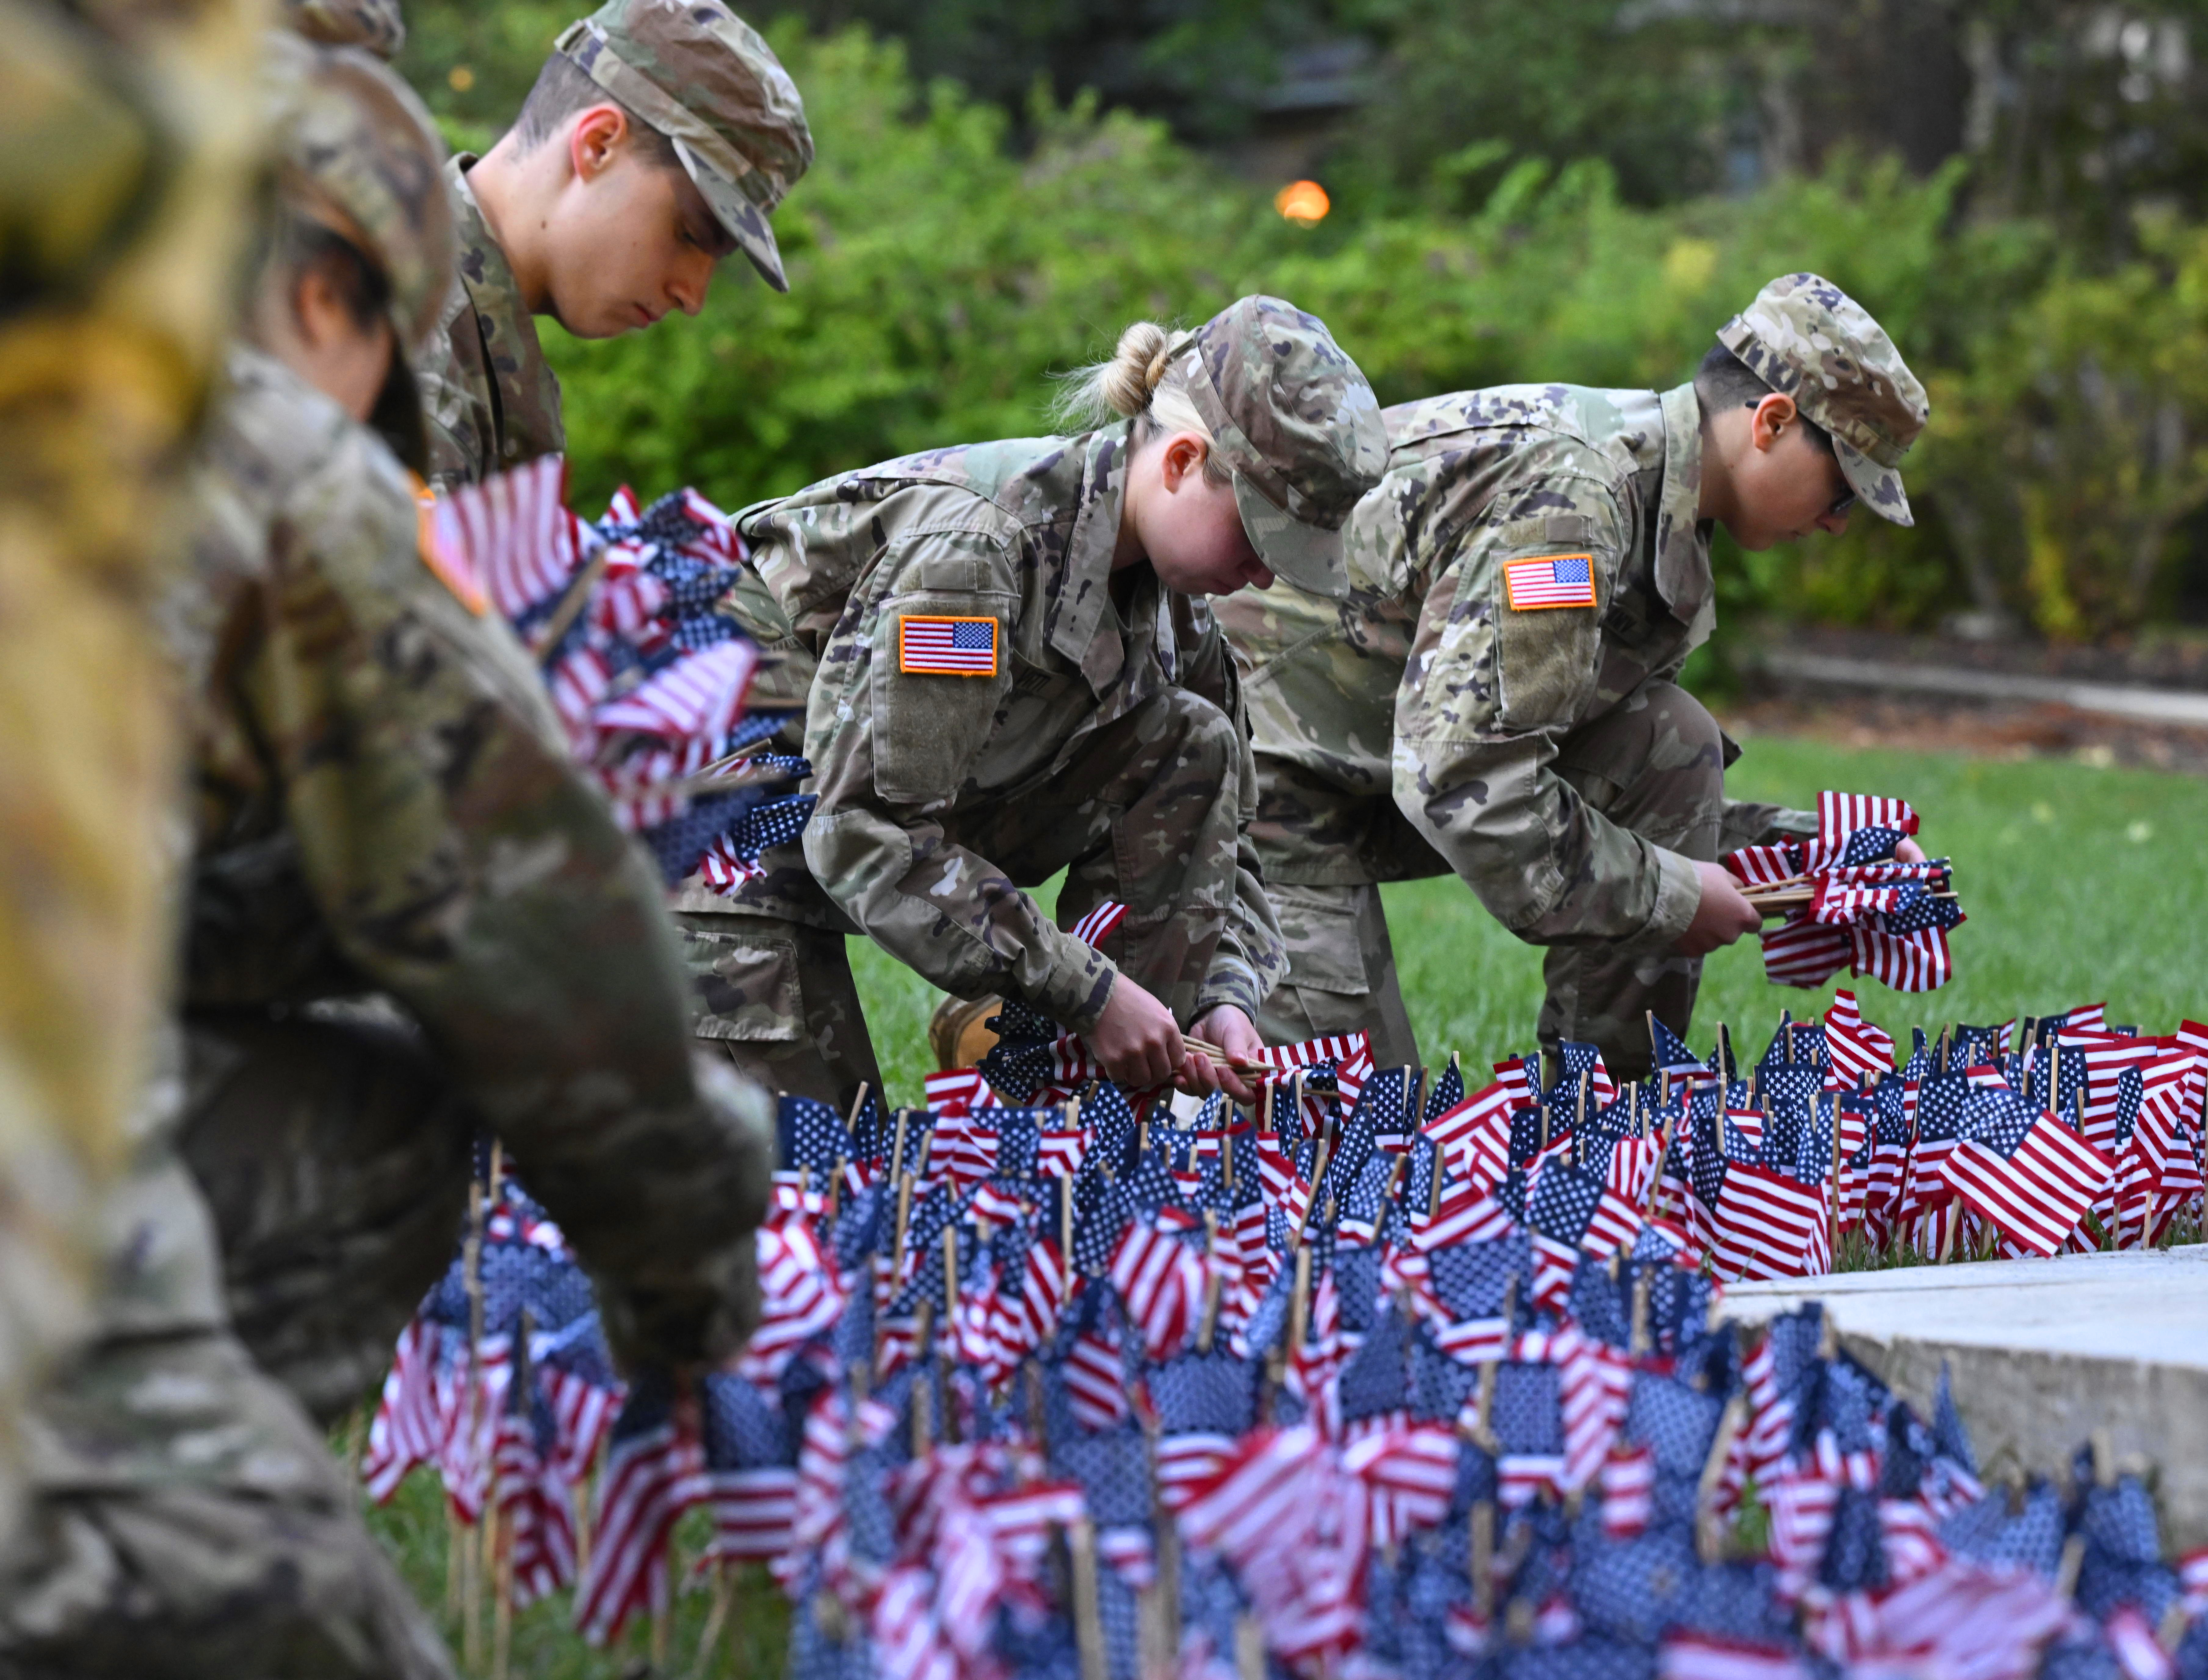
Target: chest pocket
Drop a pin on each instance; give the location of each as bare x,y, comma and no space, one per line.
936,689
1546,655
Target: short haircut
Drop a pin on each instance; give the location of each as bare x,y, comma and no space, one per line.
1724,381
564,89
302,245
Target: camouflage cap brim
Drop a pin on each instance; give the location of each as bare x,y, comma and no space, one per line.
1307,556
746,222
1878,488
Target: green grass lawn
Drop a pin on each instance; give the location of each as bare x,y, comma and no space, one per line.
2081,884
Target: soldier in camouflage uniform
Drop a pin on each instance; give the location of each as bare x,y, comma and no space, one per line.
408,916
129,163
1008,669
659,137
1498,695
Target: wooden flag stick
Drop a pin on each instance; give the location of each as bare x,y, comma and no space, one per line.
501,1615
1709,1529
725,1591
1480,1558
951,1273
1211,1285
1088,1616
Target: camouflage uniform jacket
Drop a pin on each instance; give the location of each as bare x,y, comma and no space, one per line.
1021,532
492,401
383,803
1426,684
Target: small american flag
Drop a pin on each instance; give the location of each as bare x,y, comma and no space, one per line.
947,647
1840,814
2024,1170
1552,580
1096,926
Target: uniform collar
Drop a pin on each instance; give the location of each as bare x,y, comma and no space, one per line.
1682,546
528,393
1087,631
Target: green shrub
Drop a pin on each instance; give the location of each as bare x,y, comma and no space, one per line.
938,279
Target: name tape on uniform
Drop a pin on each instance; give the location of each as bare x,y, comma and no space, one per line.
947,647
1549,580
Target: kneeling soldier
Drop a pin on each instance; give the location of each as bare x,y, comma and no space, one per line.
1498,696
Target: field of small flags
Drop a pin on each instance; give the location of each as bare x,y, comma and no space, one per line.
1408,1372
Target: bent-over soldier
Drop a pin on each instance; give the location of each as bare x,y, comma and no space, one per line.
658,138
1008,669
1498,695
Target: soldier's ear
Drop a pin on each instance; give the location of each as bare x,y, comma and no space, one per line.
596,139
1773,418
1184,452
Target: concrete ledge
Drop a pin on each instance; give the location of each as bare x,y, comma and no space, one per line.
2111,700
2043,1354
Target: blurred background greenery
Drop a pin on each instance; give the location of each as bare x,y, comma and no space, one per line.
1573,189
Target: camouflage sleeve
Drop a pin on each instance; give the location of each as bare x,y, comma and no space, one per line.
1748,824
456,399
889,751
1488,693
464,866
1251,958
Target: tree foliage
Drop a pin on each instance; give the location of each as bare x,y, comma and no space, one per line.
941,274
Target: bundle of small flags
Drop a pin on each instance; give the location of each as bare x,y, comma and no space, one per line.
649,677
1848,902
1394,1378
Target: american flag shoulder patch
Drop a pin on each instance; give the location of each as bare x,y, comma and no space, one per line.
946,646
1549,580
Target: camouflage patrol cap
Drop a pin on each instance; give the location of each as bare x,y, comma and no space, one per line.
1296,421
356,147
374,26
704,79
1805,337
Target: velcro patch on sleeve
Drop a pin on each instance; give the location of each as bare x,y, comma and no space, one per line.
946,646
452,570
1549,580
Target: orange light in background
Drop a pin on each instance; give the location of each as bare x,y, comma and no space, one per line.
1302,202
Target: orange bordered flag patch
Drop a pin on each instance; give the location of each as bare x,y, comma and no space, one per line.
947,647
1549,580
449,568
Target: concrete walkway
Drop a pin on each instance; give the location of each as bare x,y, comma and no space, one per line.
2154,706
2042,1352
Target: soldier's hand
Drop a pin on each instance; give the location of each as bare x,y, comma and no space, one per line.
1908,851
1722,916
1136,1038
1229,1029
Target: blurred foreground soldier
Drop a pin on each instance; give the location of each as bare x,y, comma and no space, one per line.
127,162
1013,671
382,804
374,26
388,812
1498,695
658,139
